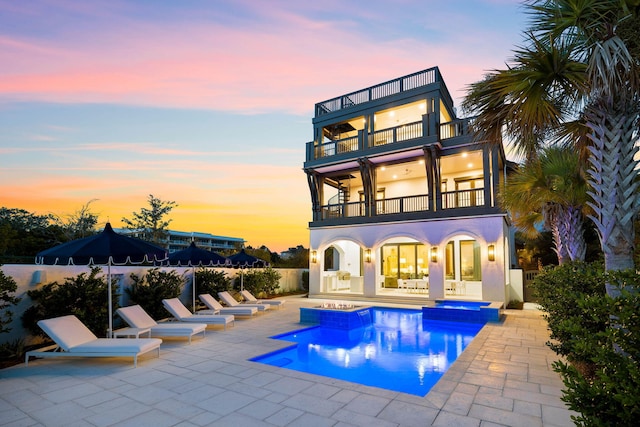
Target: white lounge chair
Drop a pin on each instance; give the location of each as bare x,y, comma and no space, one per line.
181,313
250,299
231,302
73,339
217,308
137,318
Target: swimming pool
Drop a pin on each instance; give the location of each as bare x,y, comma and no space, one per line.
398,351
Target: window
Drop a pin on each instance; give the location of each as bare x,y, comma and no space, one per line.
405,261
469,192
465,256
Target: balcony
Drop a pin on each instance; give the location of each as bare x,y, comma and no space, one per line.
417,131
408,206
382,90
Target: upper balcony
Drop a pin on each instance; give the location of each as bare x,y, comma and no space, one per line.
415,134
383,90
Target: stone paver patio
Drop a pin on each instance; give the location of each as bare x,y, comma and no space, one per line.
504,378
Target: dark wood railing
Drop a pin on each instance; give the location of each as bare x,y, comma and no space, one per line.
392,87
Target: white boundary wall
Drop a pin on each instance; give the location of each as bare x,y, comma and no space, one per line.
29,277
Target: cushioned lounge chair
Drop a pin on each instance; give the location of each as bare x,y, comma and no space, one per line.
73,339
250,299
217,308
181,313
137,318
231,302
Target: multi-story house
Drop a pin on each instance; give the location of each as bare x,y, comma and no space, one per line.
404,200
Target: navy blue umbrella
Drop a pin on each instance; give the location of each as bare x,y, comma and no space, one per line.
105,248
194,256
243,260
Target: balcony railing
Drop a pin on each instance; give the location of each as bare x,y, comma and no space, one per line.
463,198
397,205
392,87
407,204
388,136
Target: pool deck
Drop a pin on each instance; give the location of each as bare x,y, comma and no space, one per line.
504,378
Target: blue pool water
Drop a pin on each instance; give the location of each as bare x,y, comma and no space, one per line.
461,305
398,351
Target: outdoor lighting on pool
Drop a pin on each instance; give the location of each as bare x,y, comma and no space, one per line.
314,256
434,254
367,255
491,250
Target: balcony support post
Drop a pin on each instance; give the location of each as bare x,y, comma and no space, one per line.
368,185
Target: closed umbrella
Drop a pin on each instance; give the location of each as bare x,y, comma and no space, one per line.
244,260
194,256
105,248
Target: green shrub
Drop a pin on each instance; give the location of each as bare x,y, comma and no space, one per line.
605,391
600,337
211,282
149,290
261,283
515,304
559,289
8,287
305,280
85,296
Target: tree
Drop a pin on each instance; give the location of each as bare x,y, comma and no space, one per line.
578,75
8,287
150,222
23,234
81,223
550,189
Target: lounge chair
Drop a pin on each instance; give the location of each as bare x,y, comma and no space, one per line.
232,302
181,313
73,339
216,307
250,299
137,318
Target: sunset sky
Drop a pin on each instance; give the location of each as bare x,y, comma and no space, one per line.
209,103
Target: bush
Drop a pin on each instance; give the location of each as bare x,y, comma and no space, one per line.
85,296
559,289
149,290
261,283
8,287
600,337
211,282
305,280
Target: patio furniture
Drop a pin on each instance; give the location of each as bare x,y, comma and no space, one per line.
181,313
73,339
250,299
137,318
217,308
231,302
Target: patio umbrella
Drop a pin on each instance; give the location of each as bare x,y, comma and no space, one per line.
106,248
194,257
243,260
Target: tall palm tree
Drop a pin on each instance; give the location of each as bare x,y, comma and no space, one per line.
550,189
581,66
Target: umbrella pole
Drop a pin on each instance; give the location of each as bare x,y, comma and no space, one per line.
193,289
110,330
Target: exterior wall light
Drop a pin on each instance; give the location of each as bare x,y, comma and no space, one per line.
434,254
491,252
314,256
367,255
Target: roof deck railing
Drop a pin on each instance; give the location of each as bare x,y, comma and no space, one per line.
392,87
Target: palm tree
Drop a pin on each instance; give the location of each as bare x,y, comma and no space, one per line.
550,189
581,67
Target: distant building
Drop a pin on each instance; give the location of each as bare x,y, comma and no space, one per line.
178,240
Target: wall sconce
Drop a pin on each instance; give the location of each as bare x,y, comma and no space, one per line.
434,254
491,252
367,255
314,256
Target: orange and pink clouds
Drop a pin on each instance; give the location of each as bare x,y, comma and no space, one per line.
208,103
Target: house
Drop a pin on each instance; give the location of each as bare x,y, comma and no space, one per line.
404,200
